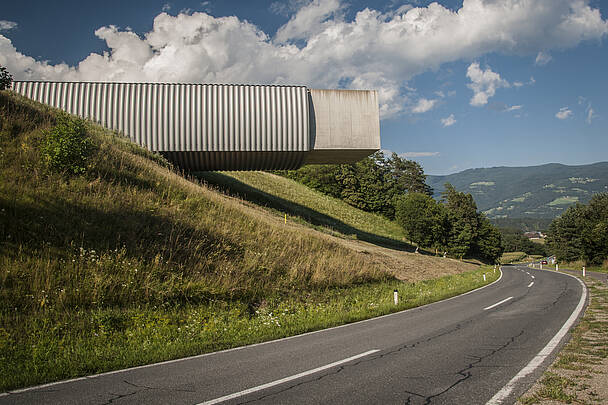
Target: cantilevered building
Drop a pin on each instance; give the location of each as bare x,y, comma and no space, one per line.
226,127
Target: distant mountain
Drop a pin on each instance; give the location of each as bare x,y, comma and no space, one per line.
527,192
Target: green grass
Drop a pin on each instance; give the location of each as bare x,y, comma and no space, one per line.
563,201
512,257
304,204
129,262
56,345
578,265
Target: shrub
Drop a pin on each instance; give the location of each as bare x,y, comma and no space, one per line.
66,146
5,78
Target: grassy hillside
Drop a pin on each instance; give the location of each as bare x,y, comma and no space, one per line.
129,263
527,192
304,204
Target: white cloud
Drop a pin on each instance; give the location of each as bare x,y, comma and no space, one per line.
286,8
563,113
410,155
483,83
6,25
166,7
310,20
423,106
513,108
448,121
318,47
542,58
590,115
518,84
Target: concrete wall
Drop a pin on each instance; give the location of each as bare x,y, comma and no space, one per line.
345,125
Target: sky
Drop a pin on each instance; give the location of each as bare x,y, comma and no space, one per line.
462,84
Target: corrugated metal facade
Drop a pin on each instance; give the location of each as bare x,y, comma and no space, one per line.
181,120
226,127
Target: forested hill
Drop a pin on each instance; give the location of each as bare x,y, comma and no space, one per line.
518,192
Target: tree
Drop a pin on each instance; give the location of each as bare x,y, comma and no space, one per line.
594,236
372,184
565,234
513,240
489,242
422,219
407,176
322,178
5,78
463,218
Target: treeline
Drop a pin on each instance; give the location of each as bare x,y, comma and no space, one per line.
453,225
513,240
371,184
396,188
581,233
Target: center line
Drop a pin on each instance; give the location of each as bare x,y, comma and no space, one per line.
531,284
532,276
286,379
498,303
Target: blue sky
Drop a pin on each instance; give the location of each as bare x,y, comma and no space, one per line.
478,83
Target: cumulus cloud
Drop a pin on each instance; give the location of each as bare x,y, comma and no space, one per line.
6,25
410,155
448,121
483,83
320,48
542,59
311,19
423,106
563,113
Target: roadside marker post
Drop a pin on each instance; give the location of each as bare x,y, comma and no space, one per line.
396,297
583,271
556,267
484,277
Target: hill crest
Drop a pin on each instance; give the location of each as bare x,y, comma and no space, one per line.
543,191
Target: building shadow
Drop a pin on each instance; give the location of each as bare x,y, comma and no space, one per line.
236,188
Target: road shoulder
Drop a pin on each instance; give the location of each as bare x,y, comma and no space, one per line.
579,374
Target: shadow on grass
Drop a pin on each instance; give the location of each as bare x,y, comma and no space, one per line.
61,224
236,188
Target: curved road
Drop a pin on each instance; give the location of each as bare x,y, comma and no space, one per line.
459,351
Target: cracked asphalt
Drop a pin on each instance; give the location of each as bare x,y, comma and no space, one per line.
451,352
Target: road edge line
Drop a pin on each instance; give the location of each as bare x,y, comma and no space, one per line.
285,379
198,356
546,351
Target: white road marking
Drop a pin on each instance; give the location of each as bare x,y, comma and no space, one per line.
544,353
200,356
498,303
286,379
532,277
531,284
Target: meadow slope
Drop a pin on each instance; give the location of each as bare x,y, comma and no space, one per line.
132,262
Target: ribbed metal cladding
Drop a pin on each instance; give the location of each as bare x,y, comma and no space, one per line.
203,161
188,118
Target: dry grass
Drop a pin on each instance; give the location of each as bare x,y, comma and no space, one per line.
106,269
580,373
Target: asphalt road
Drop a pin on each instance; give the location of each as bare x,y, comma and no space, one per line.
459,351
